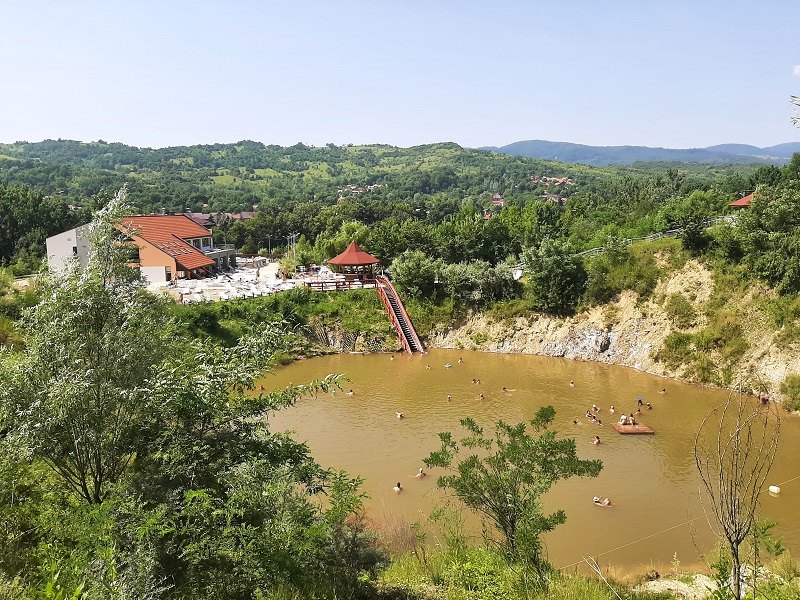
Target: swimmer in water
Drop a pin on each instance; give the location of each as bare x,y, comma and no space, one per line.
649,406
447,365
575,422
261,388
399,415
460,360
350,392
596,440
612,409
481,397
449,397
420,474
639,401
571,383
398,488
427,367
662,391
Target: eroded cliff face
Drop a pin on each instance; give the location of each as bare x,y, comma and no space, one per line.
629,338
630,333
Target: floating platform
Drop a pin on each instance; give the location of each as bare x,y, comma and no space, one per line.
632,429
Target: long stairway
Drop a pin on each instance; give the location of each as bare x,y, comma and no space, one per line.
398,315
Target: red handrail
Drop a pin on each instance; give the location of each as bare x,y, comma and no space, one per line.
383,281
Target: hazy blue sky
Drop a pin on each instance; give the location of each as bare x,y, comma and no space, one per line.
405,72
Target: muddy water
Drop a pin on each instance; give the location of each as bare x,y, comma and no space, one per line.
651,480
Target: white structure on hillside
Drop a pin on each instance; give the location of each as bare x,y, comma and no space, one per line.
63,246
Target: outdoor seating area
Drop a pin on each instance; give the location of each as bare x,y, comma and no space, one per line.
244,282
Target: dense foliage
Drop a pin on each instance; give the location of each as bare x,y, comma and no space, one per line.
135,463
428,198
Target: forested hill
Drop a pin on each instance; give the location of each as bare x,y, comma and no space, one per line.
610,155
236,176
316,191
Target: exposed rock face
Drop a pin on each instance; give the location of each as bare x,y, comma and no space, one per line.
630,333
587,336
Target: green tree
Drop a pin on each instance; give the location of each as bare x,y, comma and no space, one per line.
557,278
76,395
503,477
416,274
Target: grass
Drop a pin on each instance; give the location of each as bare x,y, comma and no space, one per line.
224,179
357,312
481,573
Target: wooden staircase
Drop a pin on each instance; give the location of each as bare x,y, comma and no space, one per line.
401,322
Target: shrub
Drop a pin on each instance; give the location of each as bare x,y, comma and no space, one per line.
482,574
790,388
680,311
620,268
677,349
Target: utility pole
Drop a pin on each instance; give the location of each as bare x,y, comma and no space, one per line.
291,241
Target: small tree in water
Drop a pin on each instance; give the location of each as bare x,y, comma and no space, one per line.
507,475
734,450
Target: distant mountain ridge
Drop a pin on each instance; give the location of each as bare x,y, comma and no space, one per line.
620,155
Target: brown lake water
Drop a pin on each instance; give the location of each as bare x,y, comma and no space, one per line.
651,479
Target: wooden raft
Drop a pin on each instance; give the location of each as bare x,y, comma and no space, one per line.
632,429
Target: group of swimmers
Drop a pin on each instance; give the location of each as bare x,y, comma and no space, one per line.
421,474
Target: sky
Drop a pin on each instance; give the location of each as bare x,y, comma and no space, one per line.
675,73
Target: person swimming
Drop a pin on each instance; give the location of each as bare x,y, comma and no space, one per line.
399,415
481,397
449,397
662,391
649,406
421,474
599,502
575,422
447,365
612,409
571,383
639,401
350,392
596,440
460,360
398,488
427,367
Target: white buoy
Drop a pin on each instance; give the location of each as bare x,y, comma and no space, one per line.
774,489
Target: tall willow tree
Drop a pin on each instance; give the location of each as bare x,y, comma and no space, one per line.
78,395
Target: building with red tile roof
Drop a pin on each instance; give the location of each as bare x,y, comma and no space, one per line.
169,247
742,202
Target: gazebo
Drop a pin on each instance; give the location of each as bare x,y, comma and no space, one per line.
355,262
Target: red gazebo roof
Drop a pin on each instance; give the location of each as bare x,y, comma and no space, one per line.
742,202
353,256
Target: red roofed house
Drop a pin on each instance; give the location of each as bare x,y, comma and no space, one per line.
742,202
170,247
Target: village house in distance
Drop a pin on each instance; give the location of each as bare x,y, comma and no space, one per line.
169,247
